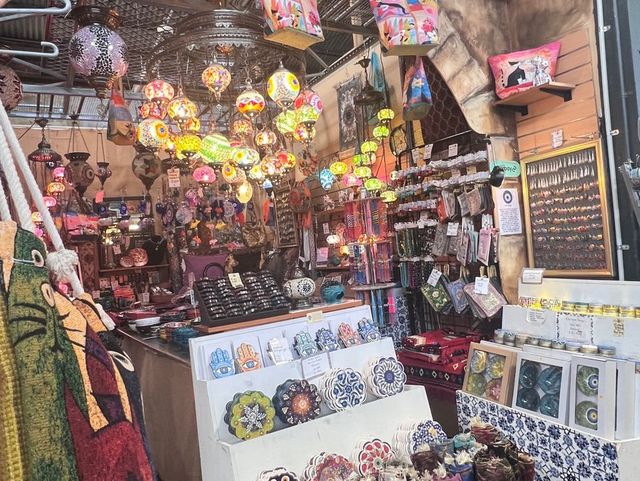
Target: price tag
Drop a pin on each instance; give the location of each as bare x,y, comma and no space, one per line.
452,229
415,155
455,173
173,176
116,249
481,286
325,227
532,276
434,277
453,150
427,151
557,138
99,196
315,316
144,298
235,280
315,366
536,317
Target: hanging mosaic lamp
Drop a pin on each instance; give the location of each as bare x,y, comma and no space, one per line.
96,50
389,196
369,147
351,180
192,125
268,165
215,149
152,133
58,173
386,115
244,157
358,160
339,169
78,172
49,201
304,135
181,109
250,102
362,172
373,184
152,110
283,87
286,122
267,184
44,153
285,160
55,188
10,88
103,172
187,145
242,128
204,175
381,132
326,179
216,78
229,172
307,115
266,139
256,172
244,192
308,96
159,92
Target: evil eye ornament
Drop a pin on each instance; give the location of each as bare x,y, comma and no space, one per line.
305,345
368,330
327,340
221,364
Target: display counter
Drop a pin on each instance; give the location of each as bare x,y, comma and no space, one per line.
164,370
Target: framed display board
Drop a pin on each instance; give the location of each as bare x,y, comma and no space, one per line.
567,212
286,232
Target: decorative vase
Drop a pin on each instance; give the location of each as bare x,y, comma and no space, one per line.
332,291
299,289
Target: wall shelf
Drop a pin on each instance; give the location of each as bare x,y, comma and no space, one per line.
520,102
115,270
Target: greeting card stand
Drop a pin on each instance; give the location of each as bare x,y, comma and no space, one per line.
226,458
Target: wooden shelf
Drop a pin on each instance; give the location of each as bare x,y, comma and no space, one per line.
520,102
374,287
143,268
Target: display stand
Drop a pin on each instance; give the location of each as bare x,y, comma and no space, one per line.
227,458
560,452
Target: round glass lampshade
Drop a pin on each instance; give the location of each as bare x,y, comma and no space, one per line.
216,78
250,103
339,168
283,87
285,160
381,132
58,173
351,180
49,201
55,188
215,149
373,184
369,147
255,173
187,145
268,165
308,96
326,179
204,175
303,134
244,192
181,109
389,196
152,109
266,138
362,172
386,115
306,114
244,157
159,91
229,172
286,122
241,128
152,133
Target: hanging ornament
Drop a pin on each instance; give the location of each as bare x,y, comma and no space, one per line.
286,122
187,145
10,88
351,180
229,172
55,188
373,184
244,192
204,175
381,132
304,135
78,172
159,92
181,109
244,157
49,202
326,179
152,110
283,87
146,166
216,78
103,172
58,173
362,172
96,50
152,133
268,165
386,115
308,96
369,147
266,139
250,102
389,196
44,153
285,161
256,172
241,128
215,149
339,169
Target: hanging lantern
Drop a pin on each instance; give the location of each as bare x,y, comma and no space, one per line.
55,188
308,96
373,184
159,92
283,87
216,78
389,196
268,165
267,185
204,175
152,110
351,180
358,160
369,147
49,202
36,218
192,125
338,169
181,109
78,172
362,172
44,153
244,192
285,160
326,179
256,172
286,122
103,172
215,149
146,166
58,173
307,115
250,102
187,145
244,157
96,50
241,128
10,88
304,135
152,133
381,132
386,115
229,173
265,139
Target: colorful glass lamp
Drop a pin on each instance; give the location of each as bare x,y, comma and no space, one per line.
283,87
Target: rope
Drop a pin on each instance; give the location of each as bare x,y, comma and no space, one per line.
13,180
5,212
62,262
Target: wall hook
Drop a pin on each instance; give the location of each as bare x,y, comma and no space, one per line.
25,53
15,13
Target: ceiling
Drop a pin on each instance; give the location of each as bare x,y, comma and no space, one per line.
52,89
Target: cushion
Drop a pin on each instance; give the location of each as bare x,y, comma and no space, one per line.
516,72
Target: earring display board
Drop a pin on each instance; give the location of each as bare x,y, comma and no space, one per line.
567,212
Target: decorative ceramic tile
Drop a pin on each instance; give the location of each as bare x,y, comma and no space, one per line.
559,451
